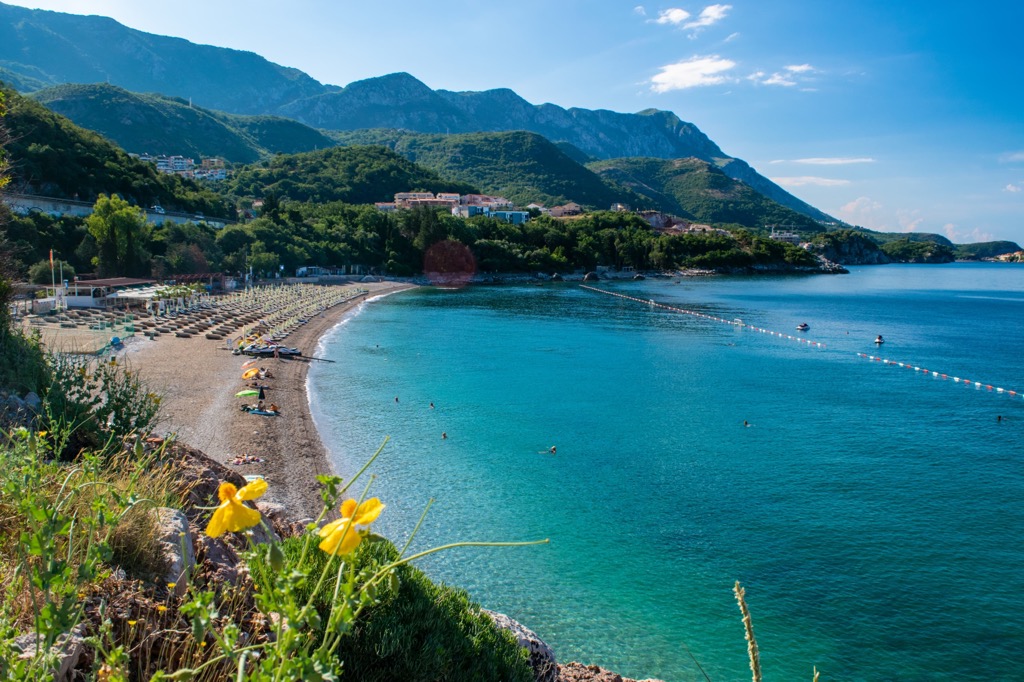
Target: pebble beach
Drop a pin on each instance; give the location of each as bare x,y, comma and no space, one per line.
197,379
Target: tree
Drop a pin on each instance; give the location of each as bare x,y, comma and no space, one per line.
40,273
121,234
4,178
261,261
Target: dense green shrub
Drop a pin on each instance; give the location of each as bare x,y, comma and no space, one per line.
42,273
96,401
417,631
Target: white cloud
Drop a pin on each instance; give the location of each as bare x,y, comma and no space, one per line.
639,9
779,79
800,181
1012,157
709,15
909,219
692,73
834,160
793,74
863,211
1012,188
958,236
674,16
731,37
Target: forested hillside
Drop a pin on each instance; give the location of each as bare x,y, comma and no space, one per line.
696,189
521,166
170,125
355,175
50,155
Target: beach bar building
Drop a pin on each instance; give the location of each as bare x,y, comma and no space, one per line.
107,293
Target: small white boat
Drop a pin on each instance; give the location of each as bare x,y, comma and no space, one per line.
802,327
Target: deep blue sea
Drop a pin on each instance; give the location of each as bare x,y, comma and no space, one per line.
874,513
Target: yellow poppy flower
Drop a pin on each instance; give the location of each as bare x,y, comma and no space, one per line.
232,515
341,536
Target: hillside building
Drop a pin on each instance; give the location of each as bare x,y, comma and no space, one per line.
572,208
787,236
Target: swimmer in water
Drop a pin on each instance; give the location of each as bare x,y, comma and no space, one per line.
746,423
431,405
552,450
444,435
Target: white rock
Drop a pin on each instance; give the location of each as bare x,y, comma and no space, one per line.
542,658
176,544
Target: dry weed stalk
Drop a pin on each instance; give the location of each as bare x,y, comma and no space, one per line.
752,653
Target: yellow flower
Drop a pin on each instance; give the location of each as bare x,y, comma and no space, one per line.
42,434
232,515
132,623
161,608
341,536
171,586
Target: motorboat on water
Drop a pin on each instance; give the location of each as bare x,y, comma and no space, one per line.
802,327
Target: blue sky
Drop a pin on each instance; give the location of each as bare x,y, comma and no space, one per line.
896,116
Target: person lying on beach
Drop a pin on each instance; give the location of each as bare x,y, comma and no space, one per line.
246,459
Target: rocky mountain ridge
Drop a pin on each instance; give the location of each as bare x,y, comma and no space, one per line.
41,48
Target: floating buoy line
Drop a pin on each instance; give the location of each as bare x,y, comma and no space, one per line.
740,324
940,375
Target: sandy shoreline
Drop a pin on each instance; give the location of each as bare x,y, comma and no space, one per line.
197,380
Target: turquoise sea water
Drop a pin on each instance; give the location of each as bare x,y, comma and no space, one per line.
874,513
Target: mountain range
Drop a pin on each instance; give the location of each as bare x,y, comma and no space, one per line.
525,167
40,49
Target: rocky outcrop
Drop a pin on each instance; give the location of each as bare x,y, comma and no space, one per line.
175,541
68,650
577,672
15,411
542,658
849,248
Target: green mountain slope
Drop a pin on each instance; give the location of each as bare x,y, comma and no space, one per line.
520,166
50,155
55,47
166,125
698,190
355,175
40,47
